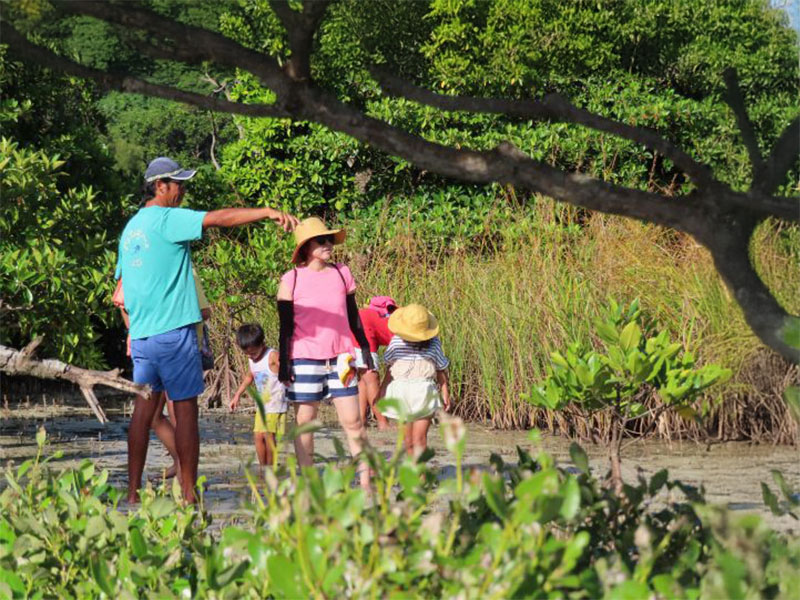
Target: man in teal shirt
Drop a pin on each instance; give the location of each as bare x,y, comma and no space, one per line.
160,298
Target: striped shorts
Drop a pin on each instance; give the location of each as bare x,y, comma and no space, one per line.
317,380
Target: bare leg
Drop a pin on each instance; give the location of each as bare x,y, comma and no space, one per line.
350,419
139,439
363,402
420,435
408,438
304,444
166,433
272,448
187,442
372,383
171,412
262,448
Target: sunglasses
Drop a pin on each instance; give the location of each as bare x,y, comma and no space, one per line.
323,239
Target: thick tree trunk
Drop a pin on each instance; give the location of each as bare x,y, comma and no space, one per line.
20,362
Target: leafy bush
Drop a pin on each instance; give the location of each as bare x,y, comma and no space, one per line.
525,530
637,358
49,269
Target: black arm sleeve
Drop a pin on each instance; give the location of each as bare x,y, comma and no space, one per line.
286,319
358,331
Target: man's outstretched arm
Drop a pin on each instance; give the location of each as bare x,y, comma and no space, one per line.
232,217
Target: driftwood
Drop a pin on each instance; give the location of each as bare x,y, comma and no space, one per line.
720,218
21,362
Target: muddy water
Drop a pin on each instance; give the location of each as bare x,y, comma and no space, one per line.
731,473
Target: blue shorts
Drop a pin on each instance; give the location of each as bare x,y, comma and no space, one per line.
316,380
169,361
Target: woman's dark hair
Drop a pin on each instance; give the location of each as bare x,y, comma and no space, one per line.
302,253
250,335
421,345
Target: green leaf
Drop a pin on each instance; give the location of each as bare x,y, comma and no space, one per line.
99,570
657,481
630,336
572,499
559,360
161,507
284,578
13,581
579,458
770,499
790,332
792,396
95,526
629,590
138,545
495,495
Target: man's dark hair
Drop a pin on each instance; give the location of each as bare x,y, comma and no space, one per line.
149,189
250,335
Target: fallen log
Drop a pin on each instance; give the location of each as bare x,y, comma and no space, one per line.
21,362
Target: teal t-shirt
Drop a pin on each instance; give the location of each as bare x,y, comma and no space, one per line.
155,264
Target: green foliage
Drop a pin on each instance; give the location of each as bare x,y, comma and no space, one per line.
644,63
791,497
56,281
62,206
636,356
525,530
61,535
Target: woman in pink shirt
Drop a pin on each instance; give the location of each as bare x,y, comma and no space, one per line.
318,312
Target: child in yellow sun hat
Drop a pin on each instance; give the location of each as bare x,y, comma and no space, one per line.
417,373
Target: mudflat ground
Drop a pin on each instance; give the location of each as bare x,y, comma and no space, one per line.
731,472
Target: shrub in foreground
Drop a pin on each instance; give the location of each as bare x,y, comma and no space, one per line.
526,530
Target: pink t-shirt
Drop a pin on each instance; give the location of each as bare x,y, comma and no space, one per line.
321,329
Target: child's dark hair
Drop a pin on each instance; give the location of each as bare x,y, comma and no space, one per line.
421,345
250,335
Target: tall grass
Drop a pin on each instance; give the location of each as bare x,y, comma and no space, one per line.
539,283
502,311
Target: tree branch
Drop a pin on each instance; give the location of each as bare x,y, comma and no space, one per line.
729,243
300,27
554,108
191,43
21,47
17,362
735,100
784,155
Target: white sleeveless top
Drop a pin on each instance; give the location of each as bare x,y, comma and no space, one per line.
271,389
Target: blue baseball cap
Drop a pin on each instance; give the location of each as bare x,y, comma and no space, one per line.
166,168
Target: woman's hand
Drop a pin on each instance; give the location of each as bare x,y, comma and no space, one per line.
234,401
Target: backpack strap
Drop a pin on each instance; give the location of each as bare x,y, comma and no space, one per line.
344,283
